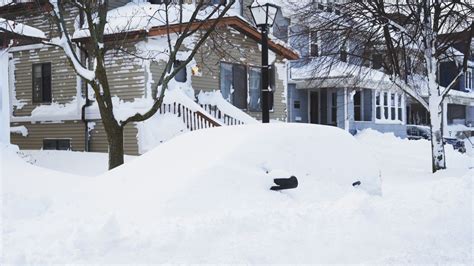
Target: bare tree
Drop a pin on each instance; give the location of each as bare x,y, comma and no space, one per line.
180,24
415,36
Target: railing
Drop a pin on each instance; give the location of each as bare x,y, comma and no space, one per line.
193,120
221,116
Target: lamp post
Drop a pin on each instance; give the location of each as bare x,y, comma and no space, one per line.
263,17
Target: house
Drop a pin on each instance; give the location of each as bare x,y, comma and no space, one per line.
51,108
344,84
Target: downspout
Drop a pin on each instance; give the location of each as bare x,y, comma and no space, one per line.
86,94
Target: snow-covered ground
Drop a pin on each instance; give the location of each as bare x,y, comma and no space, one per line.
203,197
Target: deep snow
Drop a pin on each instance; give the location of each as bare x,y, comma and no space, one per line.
203,197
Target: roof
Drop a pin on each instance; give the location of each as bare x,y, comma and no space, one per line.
144,20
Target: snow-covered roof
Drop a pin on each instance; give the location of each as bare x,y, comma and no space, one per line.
144,16
326,68
20,29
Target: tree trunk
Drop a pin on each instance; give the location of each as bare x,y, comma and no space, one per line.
438,157
116,152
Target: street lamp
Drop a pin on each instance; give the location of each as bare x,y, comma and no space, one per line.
263,17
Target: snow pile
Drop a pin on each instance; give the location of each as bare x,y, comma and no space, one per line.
215,98
19,130
20,29
86,163
204,197
159,129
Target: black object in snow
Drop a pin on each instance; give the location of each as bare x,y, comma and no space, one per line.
355,184
285,183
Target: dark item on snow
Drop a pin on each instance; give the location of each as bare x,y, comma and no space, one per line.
285,183
356,184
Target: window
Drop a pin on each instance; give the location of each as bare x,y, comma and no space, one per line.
456,114
393,112
181,76
313,43
343,52
385,105
296,104
377,61
378,107
357,106
255,88
42,83
242,85
389,106
334,108
57,144
363,105
468,84
400,107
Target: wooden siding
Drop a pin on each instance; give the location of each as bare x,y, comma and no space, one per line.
33,16
98,139
126,73
234,47
63,77
74,130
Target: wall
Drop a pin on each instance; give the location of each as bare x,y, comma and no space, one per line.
98,138
234,47
74,130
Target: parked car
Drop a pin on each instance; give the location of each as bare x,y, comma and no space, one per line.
416,132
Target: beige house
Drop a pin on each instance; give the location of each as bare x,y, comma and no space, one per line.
51,108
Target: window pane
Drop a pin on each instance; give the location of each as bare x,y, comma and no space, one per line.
64,144
400,114
226,81
181,75
37,83
49,144
255,88
367,96
393,113
357,98
378,113
46,82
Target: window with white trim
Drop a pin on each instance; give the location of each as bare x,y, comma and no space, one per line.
468,83
385,105
389,106
378,105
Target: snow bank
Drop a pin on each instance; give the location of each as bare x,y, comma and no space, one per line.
204,197
84,163
215,98
159,129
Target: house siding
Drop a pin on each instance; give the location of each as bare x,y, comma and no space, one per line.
238,49
98,138
63,77
74,130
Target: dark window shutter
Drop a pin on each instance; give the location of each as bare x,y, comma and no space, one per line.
46,80
367,94
239,77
